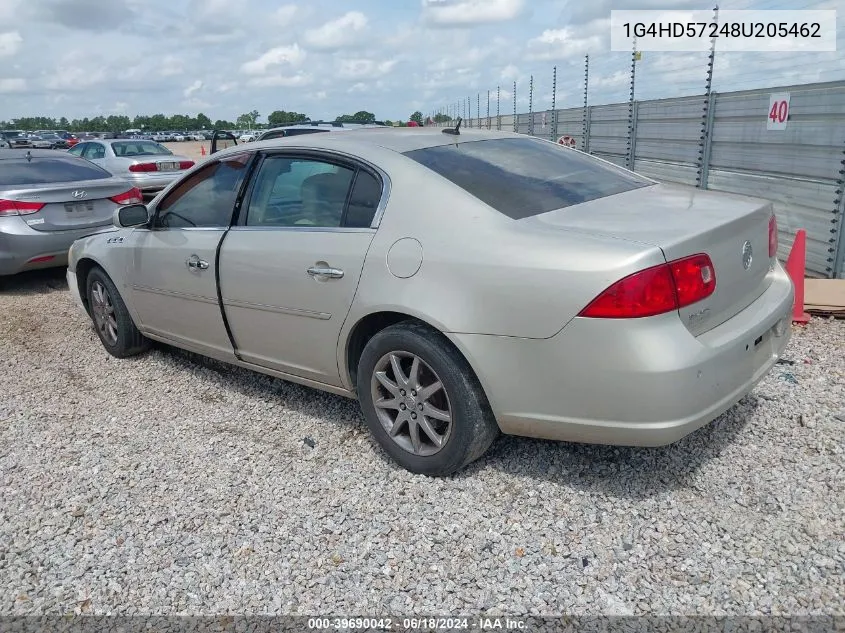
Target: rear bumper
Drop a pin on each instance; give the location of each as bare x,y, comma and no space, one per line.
19,244
639,382
152,183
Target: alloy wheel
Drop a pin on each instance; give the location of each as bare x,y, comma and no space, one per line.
103,311
411,403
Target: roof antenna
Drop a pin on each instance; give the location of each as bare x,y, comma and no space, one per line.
456,130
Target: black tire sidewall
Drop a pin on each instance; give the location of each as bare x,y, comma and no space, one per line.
471,416
126,331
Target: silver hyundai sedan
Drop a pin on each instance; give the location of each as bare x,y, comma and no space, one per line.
457,284
49,199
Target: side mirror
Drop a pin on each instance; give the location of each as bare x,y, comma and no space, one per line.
131,215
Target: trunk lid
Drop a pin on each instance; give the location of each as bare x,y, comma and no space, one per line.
684,221
63,211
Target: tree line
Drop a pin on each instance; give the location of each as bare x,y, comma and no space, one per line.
161,122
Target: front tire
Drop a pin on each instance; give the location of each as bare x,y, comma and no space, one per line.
112,321
422,402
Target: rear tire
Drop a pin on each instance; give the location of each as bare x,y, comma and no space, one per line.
114,325
397,381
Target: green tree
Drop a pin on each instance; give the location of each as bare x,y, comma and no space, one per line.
442,118
417,116
362,116
281,117
203,122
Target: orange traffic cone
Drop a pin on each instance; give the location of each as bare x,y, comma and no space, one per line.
796,267
202,150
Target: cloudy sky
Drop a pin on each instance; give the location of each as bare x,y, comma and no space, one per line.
80,58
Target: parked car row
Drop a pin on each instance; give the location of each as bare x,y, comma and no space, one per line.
42,139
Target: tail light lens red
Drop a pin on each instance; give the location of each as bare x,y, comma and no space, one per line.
16,207
773,236
186,164
143,167
656,290
133,196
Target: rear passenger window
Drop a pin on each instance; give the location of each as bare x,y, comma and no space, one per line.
366,194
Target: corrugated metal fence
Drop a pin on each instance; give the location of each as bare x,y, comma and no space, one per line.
722,143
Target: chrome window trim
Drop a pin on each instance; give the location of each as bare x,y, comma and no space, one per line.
312,229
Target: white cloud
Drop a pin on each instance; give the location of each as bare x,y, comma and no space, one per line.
9,10
226,87
196,104
194,87
565,43
364,68
10,43
8,86
509,72
293,81
283,16
346,31
171,66
77,72
281,55
470,12
359,87
120,107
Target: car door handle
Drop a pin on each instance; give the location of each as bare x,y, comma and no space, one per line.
195,263
328,273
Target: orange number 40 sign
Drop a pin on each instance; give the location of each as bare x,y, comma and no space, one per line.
778,111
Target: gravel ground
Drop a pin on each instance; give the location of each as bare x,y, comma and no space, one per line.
169,484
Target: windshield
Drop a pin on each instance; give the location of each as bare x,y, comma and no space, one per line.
521,177
139,148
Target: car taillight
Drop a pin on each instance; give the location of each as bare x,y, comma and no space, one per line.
133,196
656,290
143,167
186,164
16,207
773,236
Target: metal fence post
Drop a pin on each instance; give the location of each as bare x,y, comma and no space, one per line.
629,158
837,242
706,141
632,144
531,106
498,108
478,109
587,129
553,128
488,110
707,117
584,113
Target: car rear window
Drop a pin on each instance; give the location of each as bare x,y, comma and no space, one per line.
46,170
521,177
139,148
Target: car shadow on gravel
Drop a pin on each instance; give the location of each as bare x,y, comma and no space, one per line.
34,282
617,471
620,472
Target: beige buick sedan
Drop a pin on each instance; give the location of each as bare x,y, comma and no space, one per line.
457,284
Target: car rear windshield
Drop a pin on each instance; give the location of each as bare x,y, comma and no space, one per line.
19,171
521,177
139,148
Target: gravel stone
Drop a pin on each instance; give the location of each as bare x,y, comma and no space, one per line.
169,484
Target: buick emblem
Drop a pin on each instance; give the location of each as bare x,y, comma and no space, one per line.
79,194
747,255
